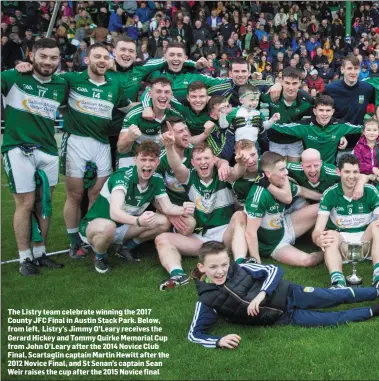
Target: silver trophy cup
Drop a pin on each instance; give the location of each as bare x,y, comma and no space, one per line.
354,253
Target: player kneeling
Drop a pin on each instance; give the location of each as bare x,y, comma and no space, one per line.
118,215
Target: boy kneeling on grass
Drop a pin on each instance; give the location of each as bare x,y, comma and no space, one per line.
253,294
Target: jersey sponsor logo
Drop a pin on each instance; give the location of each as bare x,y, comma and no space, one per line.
276,222
92,106
173,184
44,107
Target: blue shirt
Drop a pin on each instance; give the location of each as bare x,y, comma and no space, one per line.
350,101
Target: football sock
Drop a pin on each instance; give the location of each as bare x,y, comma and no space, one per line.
132,244
177,272
337,277
38,251
375,310
375,275
73,235
25,254
239,260
100,255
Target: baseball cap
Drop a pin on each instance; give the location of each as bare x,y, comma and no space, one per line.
313,72
348,38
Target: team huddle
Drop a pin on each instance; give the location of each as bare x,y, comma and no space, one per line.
198,169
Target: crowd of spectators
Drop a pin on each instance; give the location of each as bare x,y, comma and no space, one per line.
270,35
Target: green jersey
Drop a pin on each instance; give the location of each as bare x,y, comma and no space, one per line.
328,177
175,189
348,215
130,80
295,112
374,82
31,107
261,204
150,129
241,188
214,202
91,105
136,199
323,138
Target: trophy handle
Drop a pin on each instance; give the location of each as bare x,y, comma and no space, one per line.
365,255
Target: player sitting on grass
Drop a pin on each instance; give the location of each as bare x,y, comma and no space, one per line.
253,294
270,232
118,214
214,211
341,218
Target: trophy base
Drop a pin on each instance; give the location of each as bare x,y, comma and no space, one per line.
354,281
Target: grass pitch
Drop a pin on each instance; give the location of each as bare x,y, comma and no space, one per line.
266,353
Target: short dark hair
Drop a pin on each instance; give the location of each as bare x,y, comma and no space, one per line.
172,120
124,39
196,85
211,247
347,158
215,100
148,148
162,80
176,44
239,61
95,46
292,72
44,43
269,159
324,100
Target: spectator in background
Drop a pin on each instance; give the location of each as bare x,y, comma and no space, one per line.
115,23
78,57
161,50
249,41
315,82
199,32
130,7
144,13
231,49
154,42
213,22
364,73
226,29
326,73
12,51
211,48
374,73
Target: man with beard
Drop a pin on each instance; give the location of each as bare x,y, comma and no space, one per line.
31,104
135,129
86,159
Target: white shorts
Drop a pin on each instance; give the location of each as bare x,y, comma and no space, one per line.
123,162
118,238
352,237
78,150
296,205
289,236
290,149
21,169
214,234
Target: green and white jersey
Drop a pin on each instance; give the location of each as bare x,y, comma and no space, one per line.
30,110
254,120
323,138
346,214
136,198
175,189
261,204
91,105
214,202
150,129
130,80
328,176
